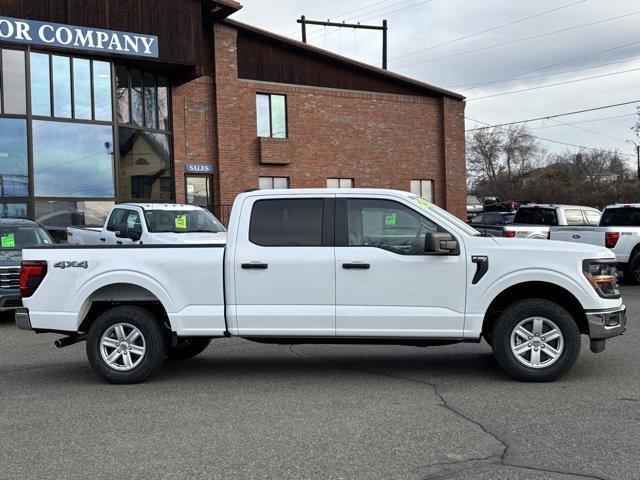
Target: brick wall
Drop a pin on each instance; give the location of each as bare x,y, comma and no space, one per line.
380,140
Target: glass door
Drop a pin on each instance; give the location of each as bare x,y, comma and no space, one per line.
199,191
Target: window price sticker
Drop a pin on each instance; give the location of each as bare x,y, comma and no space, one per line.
8,240
181,222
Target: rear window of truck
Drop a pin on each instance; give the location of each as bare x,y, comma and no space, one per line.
536,216
287,223
620,217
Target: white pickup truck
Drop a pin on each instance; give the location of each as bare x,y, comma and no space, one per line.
619,230
152,223
319,266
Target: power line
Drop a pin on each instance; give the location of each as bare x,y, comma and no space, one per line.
554,84
497,27
358,9
599,119
511,42
588,130
548,117
543,138
473,86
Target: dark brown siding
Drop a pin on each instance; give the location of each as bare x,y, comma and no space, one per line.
177,23
265,60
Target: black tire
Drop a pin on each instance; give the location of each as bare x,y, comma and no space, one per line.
632,272
524,309
154,341
188,348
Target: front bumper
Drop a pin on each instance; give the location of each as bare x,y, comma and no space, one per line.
605,324
22,319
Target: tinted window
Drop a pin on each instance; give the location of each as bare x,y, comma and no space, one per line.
536,216
13,158
182,221
40,84
593,218
116,217
13,210
122,94
17,237
61,67
102,91
56,215
388,225
574,217
287,223
82,88
478,219
86,170
13,82
621,217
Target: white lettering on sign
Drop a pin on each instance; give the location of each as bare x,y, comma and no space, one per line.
67,36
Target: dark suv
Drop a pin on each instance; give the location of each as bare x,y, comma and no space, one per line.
15,234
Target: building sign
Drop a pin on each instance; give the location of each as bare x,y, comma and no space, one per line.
32,32
198,168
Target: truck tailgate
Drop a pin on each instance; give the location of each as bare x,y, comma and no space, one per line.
590,235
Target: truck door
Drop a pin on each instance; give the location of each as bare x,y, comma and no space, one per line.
284,267
108,234
386,285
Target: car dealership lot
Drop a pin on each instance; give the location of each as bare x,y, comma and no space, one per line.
244,410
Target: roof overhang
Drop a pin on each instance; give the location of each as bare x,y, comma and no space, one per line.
220,9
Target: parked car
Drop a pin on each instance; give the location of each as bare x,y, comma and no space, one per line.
485,222
318,266
15,234
474,205
533,221
618,230
143,223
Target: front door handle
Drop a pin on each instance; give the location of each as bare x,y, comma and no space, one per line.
255,266
356,266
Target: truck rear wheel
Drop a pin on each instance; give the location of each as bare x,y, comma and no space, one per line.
188,348
126,345
632,272
536,340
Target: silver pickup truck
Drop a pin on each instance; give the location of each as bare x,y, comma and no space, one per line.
533,221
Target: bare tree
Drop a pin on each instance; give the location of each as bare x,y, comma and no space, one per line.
519,148
484,147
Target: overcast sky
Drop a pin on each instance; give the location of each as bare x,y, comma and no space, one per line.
435,28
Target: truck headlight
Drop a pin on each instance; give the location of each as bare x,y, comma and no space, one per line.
603,276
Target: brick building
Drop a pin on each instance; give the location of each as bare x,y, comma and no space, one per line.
195,107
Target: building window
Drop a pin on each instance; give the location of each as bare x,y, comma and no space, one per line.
142,99
339,182
270,183
271,115
86,170
199,191
57,215
423,188
14,179
13,89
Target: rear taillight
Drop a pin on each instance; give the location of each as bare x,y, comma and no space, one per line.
509,234
611,239
31,275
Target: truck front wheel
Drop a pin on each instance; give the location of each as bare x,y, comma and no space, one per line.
126,345
536,340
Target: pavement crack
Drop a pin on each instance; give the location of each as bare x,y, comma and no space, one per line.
445,470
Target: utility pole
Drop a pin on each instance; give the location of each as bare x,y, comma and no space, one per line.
384,28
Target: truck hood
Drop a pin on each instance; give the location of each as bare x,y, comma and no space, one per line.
533,245
169,238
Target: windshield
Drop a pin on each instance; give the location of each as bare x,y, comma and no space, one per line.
14,237
536,216
427,206
620,217
182,221
473,200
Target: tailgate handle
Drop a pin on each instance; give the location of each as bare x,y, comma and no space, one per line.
356,266
255,266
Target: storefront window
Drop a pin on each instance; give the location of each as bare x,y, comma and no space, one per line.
199,191
14,179
14,95
137,112
145,165
163,104
122,94
86,170
61,86
150,101
40,84
102,90
82,88
57,215
13,210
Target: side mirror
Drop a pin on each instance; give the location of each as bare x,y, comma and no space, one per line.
440,243
123,231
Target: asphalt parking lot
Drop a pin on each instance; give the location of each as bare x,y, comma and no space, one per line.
249,411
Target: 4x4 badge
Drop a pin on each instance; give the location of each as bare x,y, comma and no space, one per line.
65,264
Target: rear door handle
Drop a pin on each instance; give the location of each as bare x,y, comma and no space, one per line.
356,266
103,239
255,266
119,242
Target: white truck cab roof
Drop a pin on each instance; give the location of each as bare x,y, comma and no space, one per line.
159,206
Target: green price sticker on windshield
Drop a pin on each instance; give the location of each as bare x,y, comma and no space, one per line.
181,222
8,241
390,219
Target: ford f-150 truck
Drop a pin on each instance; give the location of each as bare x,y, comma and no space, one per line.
534,221
146,223
318,266
619,230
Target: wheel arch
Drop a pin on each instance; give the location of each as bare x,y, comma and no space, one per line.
534,289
